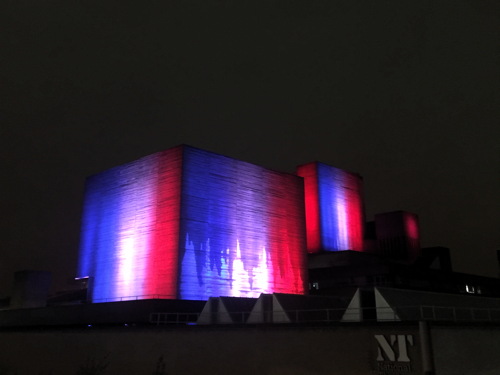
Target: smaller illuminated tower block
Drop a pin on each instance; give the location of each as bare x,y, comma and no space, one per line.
334,208
398,235
190,224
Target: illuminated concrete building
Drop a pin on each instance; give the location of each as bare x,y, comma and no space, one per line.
334,208
213,264
190,224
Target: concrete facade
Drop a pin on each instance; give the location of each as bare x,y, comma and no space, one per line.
276,350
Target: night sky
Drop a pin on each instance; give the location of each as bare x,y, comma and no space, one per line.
405,93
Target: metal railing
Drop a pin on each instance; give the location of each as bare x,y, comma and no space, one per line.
173,318
133,298
380,314
459,314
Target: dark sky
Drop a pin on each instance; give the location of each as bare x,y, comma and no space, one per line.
406,93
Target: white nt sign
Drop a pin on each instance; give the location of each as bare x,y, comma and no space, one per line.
395,349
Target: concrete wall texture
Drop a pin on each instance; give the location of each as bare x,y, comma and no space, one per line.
273,350
466,350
